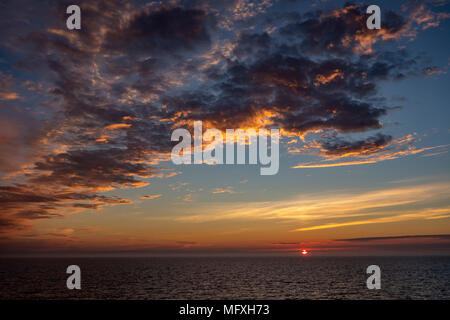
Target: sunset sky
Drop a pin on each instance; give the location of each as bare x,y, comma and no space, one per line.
86,118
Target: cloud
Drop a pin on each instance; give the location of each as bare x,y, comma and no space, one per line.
116,89
430,71
22,204
186,243
164,30
20,135
362,147
427,214
100,169
421,16
223,190
344,31
6,83
65,232
425,236
334,209
117,126
154,196
336,152
286,243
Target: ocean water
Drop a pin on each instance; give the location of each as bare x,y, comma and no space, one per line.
226,278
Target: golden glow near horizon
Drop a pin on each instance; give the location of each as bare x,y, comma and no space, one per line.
308,219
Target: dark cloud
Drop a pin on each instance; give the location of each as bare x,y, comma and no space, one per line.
21,204
94,169
342,31
269,72
20,133
11,224
362,147
165,30
305,95
250,44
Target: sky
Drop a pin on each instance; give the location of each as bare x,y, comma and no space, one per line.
86,118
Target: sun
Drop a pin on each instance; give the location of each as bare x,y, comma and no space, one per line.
305,252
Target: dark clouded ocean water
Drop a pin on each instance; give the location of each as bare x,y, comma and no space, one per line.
226,278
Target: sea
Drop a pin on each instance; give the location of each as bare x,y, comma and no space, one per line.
217,278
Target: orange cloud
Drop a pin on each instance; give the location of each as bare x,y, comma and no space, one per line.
337,164
400,203
8,96
117,126
223,190
151,196
369,152
324,79
427,214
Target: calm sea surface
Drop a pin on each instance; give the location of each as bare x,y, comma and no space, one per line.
226,278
